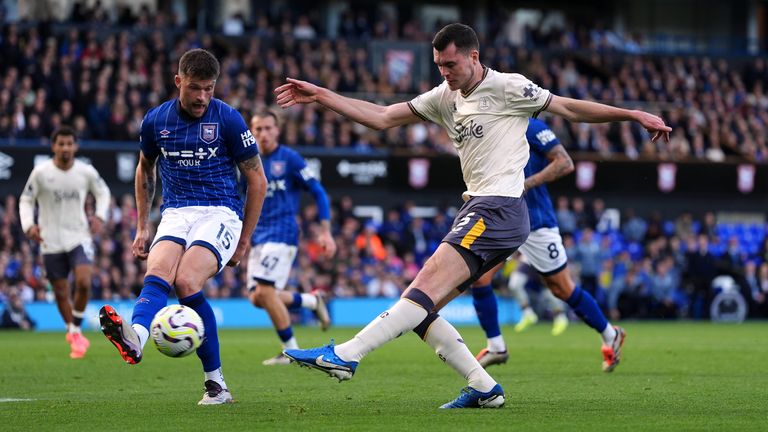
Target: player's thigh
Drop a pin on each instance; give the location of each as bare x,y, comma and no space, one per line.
163,260
544,251
270,264
197,265
81,260
443,272
487,277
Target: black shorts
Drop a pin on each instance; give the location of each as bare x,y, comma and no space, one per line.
492,228
58,265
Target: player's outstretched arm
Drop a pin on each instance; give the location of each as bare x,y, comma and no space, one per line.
560,164
144,187
252,170
592,112
374,116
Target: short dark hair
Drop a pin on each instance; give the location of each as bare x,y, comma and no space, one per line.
268,112
200,64
462,35
63,130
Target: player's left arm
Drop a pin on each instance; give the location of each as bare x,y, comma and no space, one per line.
575,110
560,164
256,181
98,187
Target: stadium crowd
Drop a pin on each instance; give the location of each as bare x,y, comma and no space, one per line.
102,81
645,267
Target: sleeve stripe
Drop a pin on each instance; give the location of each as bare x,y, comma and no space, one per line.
546,104
416,113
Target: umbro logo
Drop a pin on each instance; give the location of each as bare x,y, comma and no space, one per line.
164,133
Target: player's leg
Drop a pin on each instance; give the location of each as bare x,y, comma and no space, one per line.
313,302
130,338
57,268
486,307
162,263
269,266
546,252
516,286
556,308
214,237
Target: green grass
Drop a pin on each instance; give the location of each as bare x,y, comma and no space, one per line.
674,376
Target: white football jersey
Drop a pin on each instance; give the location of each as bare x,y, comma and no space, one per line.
60,196
487,127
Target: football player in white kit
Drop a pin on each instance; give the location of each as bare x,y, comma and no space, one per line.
59,187
485,113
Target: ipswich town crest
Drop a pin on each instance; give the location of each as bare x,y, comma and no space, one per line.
209,132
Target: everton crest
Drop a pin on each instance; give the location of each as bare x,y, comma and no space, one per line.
209,132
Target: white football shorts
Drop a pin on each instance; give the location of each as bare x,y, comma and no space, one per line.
544,251
270,264
214,228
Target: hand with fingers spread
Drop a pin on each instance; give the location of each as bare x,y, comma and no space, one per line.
296,92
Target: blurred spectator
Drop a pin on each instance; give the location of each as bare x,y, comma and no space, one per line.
15,316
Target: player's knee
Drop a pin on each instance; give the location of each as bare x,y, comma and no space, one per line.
561,288
187,284
162,273
254,298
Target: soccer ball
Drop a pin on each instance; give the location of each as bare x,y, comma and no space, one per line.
177,330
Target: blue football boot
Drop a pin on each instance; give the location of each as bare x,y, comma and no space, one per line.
471,398
325,359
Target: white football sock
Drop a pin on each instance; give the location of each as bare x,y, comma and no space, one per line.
608,334
291,343
497,344
400,318
71,328
142,332
216,375
308,301
450,347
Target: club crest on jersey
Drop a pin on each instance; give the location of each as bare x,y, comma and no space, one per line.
277,168
209,132
485,103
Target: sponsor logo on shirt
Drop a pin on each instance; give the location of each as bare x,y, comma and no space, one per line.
545,136
247,138
471,129
190,157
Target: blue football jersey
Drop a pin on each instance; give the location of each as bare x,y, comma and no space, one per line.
541,140
198,157
287,176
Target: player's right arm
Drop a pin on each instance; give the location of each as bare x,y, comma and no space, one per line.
560,164
144,187
374,116
27,209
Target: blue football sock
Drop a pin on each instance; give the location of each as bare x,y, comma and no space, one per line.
296,302
285,334
587,309
209,350
153,297
487,310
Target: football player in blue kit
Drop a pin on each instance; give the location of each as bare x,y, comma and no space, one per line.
544,251
275,241
198,142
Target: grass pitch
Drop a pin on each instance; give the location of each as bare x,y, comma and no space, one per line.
674,376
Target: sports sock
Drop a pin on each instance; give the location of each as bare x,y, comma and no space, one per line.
487,310
609,334
497,344
286,337
216,375
153,297
406,314
587,309
142,332
72,328
450,347
77,318
297,303
308,301
209,350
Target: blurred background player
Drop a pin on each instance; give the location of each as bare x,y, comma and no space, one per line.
485,113
276,238
60,186
524,278
544,250
197,141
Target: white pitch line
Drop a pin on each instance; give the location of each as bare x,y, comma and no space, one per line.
14,400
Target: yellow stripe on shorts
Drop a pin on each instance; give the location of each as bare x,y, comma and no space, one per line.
477,229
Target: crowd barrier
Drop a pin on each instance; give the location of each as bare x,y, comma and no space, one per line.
239,313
